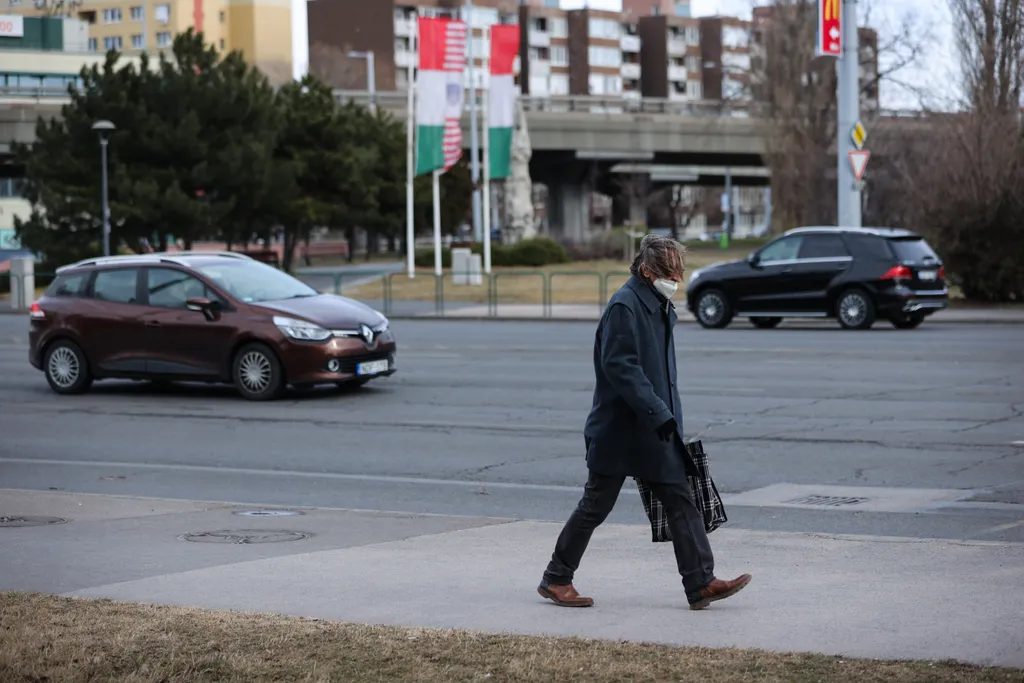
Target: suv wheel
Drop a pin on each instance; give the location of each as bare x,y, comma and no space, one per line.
257,373
765,323
713,311
66,368
855,310
907,322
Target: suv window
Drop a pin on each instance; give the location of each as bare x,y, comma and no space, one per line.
914,250
68,285
118,286
785,249
823,246
871,245
170,288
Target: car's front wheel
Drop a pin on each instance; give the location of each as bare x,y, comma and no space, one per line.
855,310
713,310
765,323
257,373
66,368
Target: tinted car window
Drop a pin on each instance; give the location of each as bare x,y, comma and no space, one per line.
871,246
169,288
252,281
786,249
68,285
823,246
913,250
115,285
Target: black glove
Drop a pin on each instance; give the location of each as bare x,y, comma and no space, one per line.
666,430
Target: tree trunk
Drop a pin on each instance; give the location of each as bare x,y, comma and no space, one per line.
288,248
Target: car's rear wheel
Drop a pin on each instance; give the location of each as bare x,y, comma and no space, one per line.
855,310
66,368
765,323
713,310
907,322
257,373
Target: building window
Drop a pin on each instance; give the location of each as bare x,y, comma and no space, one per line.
137,43
683,9
483,16
558,27
734,36
510,19
605,28
221,16
112,43
163,13
605,56
93,44
163,39
692,35
136,13
223,45
693,63
112,15
559,55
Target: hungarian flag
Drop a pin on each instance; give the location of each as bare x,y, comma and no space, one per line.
501,112
439,94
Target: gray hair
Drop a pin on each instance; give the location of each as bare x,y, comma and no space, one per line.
660,255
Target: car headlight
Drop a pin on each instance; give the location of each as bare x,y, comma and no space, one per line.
303,330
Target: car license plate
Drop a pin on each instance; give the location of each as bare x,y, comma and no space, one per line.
373,367
926,275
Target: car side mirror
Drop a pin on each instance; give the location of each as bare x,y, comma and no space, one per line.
207,307
754,260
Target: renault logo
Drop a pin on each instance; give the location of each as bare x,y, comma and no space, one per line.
367,334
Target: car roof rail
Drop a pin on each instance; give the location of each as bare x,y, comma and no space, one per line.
881,232
160,256
205,252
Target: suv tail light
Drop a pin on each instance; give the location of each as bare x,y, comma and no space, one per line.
36,313
898,273
942,272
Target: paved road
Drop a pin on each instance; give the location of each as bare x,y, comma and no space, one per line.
484,419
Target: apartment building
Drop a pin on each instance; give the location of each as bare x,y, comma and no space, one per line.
671,57
253,27
668,8
725,48
544,41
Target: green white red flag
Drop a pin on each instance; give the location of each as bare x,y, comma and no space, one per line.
501,105
439,94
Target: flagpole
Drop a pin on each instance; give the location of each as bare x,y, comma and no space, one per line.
410,159
486,100
438,271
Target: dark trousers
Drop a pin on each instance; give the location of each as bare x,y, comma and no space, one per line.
689,539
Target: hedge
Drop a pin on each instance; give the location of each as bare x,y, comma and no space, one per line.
531,253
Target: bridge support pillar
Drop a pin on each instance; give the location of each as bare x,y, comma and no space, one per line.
568,211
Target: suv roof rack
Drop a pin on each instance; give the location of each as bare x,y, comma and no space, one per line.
881,232
159,256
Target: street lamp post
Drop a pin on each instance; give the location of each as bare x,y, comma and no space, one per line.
104,130
371,76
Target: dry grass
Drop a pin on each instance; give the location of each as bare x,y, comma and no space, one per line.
571,283
46,638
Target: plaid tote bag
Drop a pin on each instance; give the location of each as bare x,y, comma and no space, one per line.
705,495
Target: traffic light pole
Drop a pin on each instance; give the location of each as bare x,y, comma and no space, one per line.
848,113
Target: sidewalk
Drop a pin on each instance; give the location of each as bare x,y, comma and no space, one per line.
854,596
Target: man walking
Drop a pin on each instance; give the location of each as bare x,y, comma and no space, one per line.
635,430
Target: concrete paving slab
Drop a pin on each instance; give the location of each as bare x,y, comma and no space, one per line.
848,498
852,596
87,507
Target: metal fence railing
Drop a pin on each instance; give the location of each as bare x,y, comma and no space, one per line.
533,293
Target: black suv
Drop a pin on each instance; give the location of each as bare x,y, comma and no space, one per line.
854,274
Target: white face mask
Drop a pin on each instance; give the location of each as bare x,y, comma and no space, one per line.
667,288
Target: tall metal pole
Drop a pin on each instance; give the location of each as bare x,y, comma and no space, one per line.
848,112
410,159
474,141
106,203
371,81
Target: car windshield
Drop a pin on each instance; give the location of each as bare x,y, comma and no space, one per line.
252,281
913,250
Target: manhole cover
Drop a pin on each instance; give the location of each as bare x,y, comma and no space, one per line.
245,536
29,520
267,513
826,501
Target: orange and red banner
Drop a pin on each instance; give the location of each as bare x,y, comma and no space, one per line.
830,28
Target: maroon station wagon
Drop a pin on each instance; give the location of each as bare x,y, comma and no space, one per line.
216,317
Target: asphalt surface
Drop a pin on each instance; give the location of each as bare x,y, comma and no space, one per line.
485,419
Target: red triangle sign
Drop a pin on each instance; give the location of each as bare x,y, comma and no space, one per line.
858,162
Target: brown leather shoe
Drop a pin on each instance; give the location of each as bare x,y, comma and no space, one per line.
719,590
564,596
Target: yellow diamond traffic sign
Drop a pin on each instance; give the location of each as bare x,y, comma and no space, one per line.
858,135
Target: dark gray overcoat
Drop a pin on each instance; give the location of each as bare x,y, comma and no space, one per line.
635,364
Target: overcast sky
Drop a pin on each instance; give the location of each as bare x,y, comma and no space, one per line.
937,72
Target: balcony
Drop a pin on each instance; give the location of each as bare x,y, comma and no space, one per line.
630,70
403,27
539,67
404,59
677,73
629,43
676,47
539,38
